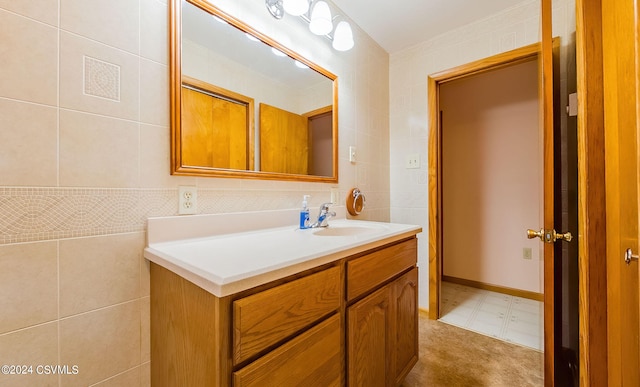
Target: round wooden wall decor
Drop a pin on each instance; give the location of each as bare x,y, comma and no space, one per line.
355,202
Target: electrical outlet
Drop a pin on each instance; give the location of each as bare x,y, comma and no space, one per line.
335,195
412,161
187,200
526,253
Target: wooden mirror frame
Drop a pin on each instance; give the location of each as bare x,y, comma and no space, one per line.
175,68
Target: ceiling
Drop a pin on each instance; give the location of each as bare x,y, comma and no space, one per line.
399,24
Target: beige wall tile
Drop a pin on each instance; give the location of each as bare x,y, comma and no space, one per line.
154,93
129,378
32,347
28,285
154,34
112,22
102,343
97,151
45,11
28,144
155,159
114,88
145,375
98,272
29,59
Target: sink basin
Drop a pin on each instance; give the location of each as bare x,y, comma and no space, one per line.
346,231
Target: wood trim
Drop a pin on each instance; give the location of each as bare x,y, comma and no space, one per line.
175,100
548,130
591,195
495,288
434,81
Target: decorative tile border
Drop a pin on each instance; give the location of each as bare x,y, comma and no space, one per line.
29,214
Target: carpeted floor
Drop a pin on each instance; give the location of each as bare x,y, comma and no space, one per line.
452,356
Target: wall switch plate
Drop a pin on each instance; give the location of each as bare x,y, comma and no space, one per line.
187,200
335,195
526,253
352,154
412,161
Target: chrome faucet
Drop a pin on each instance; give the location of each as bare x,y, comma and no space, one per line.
323,216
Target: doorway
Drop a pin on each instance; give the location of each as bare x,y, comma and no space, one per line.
553,288
491,192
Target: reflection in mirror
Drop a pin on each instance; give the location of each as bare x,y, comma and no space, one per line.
223,75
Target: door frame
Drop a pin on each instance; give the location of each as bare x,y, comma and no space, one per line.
434,82
520,55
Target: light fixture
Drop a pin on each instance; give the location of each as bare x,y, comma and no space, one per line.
320,23
319,19
275,8
295,7
343,37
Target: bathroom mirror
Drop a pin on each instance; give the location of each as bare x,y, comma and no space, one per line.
244,106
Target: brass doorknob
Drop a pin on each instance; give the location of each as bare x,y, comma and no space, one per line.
535,234
549,236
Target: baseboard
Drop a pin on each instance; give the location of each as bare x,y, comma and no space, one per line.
495,288
424,312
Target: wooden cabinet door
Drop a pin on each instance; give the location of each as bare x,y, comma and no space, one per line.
405,337
369,340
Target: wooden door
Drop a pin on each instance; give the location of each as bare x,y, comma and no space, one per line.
214,131
621,181
369,332
284,141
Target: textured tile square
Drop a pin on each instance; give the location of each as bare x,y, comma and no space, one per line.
73,50
101,79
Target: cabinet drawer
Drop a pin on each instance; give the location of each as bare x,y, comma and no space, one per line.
311,359
367,272
263,319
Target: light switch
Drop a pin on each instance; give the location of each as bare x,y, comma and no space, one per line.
352,154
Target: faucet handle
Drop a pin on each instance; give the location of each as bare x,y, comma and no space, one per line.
325,206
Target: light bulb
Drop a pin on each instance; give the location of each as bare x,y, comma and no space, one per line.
277,52
343,37
301,65
295,7
320,23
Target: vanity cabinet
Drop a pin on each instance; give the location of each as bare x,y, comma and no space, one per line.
350,322
382,327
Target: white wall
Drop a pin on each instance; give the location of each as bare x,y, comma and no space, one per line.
408,71
491,174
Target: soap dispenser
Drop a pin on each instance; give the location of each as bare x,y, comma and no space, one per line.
304,212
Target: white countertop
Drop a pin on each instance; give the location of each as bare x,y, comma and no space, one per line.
227,263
